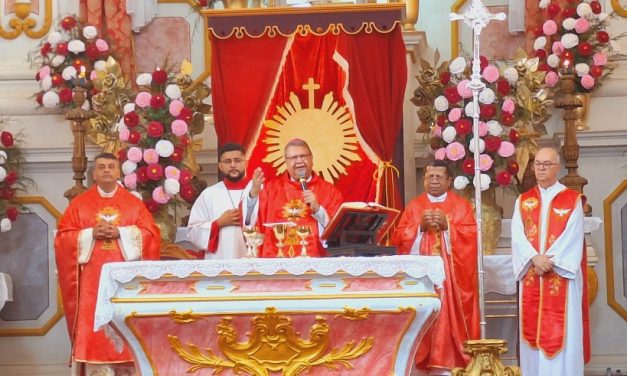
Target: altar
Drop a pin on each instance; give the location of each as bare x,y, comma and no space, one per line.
302,316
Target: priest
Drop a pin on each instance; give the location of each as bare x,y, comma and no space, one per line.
440,223
299,200
104,224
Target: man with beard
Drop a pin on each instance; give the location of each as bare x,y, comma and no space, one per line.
215,221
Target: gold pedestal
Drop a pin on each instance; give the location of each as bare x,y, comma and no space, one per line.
581,113
485,359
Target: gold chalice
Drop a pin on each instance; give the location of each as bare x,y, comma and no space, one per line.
303,232
279,233
248,232
256,240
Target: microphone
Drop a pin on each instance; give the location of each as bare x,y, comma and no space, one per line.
303,182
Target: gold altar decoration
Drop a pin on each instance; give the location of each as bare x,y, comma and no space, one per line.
354,314
79,118
491,215
412,8
24,24
273,346
184,317
618,8
581,113
485,359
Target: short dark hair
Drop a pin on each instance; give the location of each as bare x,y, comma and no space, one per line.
230,146
106,156
440,163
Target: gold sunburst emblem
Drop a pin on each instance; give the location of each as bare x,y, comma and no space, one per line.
329,131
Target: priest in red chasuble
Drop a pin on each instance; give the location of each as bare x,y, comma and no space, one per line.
302,197
441,223
548,256
104,224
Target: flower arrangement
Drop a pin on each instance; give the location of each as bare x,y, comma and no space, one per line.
574,36
512,108
10,178
68,58
157,130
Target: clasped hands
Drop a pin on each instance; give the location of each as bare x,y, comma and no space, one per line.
105,231
433,220
542,264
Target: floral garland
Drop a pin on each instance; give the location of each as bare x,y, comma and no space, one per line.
512,109
69,57
11,179
575,37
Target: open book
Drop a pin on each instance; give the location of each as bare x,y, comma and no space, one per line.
359,223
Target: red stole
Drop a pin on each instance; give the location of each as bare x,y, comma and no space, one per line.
544,298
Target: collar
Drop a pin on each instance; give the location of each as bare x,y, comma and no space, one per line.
440,198
556,187
104,194
235,185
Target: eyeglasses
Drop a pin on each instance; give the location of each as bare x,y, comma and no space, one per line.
546,164
294,158
230,161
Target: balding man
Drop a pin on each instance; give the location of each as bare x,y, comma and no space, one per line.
549,261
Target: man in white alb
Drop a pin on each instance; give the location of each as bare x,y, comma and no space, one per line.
215,221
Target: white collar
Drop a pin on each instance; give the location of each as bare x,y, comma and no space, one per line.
104,194
440,198
553,189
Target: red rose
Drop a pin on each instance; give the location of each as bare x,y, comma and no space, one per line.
507,118
543,67
6,138
10,178
487,111
77,63
463,127
154,171
540,54
142,174
177,155
452,95
94,91
131,119
570,12
441,120
503,178
445,77
40,98
151,205
537,32
154,129
11,213
203,3
483,61
188,193
185,176
553,10
603,36
502,86
157,101
185,141
122,155
585,49
45,49
68,23
595,6
596,71
61,49
513,167
468,166
159,77
65,95
187,115
57,79
92,51
7,193
492,143
514,137
134,137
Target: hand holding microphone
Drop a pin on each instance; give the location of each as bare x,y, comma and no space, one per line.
308,196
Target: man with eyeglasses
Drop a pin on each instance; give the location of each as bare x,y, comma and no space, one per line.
302,197
548,255
441,223
215,221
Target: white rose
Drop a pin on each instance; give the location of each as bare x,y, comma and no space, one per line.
3,173
50,99
120,126
469,109
57,60
3,156
553,60
494,128
46,83
460,182
569,23
173,91
164,148
485,181
5,225
449,134
129,107
511,74
487,96
68,73
100,65
76,46
583,9
171,186
544,3
471,145
570,40
128,167
539,43
86,106
582,69
458,65
137,194
54,38
144,79
90,32
602,16
441,103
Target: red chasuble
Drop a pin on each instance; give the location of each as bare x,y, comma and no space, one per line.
458,320
544,298
79,283
282,201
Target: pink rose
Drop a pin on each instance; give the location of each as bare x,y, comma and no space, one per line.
463,90
102,45
143,99
549,27
44,72
175,107
490,73
130,181
455,114
506,149
485,162
172,172
440,153
483,129
151,156
582,25
599,58
159,195
551,78
134,154
455,151
437,131
123,134
508,106
93,75
179,127
587,81
557,48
